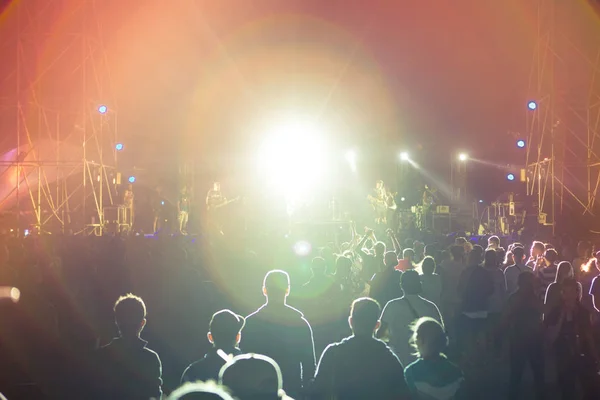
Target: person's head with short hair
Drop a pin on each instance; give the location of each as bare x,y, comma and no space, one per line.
390,259
428,266
550,256
224,329
458,253
410,282
343,267
526,282
428,338
564,271
537,249
476,255
584,249
276,286
518,254
379,249
364,316
130,315
460,241
408,254
493,242
431,250
419,249
490,259
318,266
201,391
252,376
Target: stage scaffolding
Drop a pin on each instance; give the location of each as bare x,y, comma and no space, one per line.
563,147
64,168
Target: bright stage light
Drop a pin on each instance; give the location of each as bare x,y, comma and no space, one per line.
102,109
463,157
302,248
532,105
404,156
293,160
402,198
119,146
131,179
510,177
520,143
351,158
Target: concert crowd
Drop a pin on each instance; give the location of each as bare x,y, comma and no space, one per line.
376,317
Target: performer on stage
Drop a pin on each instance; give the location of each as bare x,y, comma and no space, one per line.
128,204
158,207
380,201
183,210
214,201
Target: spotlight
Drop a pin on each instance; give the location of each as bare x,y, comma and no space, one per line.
402,198
510,177
351,158
463,157
520,143
302,248
131,179
102,109
532,105
404,156
481,201
119,146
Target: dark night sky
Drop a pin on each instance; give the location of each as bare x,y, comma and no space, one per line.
431,76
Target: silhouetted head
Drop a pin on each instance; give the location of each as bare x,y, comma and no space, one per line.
364,316
390,259
224,329
526,282
428,266
318,266
130,315
276,286
490,259
410,282
564,271
518,254
201,391
428,338
550,256
252,376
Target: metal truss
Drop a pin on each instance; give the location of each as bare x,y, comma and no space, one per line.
64,167
563,148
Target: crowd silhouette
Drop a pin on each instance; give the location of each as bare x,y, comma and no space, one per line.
448,318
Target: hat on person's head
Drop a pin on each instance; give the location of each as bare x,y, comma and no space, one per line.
252,376
225,326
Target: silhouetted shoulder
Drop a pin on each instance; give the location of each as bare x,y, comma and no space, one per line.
295,310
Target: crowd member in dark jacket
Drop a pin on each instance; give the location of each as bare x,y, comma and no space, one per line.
360,366
224,332
282,333
126,368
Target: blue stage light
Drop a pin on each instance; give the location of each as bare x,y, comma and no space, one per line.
520,143
510,177
131,179
119,146
102,109
532,105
